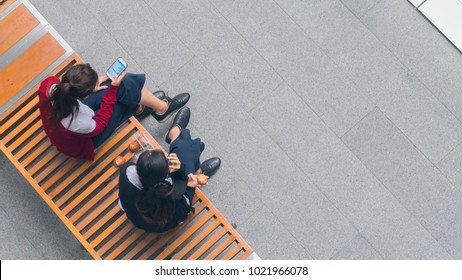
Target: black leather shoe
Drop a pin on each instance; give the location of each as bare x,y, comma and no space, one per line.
159,94
181,119
174,104
144,113
147,110
210,166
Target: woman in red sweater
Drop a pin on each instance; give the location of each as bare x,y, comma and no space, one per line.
82,110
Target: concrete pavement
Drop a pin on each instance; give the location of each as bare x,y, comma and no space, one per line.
339,123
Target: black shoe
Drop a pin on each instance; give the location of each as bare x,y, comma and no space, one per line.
144,113
181,119
147,110
159,94
210,166
174,104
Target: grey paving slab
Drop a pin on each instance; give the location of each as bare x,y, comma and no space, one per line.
301,63
308,215
351,187
358,249
270,239
105,51
229,193
451,167
407,174
239,68
14,245
425,121
32,221
377,71
452,239
356,51
245,148
80,28
232,196
137,28
419,46
359,7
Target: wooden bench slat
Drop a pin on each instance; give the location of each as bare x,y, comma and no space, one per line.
114,210
45,160
245,255
21,130
148,239
97,211
204,233
225,222
140,246
81,183
223,245
54,165
39,150
125,131
86,193
31,145
208,244
116,238
92,202
25,136
190,231
233,252
15,26
86,164
125,244
63,170
164,239
24,111
108,231
106,175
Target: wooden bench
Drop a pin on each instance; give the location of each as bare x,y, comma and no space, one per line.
84,195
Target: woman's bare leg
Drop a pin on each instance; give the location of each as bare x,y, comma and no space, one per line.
174,132
157,105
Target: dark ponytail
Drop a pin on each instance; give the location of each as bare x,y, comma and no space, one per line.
155,202
78,82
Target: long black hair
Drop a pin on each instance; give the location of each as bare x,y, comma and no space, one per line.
78,82
155,202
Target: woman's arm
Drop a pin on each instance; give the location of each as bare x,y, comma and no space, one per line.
105,111
180,174
107,105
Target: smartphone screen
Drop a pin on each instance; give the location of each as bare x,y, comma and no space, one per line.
116,68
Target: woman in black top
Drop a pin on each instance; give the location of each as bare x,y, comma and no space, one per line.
156,192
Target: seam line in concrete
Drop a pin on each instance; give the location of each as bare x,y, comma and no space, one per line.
417,220
403,64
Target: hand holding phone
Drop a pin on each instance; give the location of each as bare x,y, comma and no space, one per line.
116,68
118,79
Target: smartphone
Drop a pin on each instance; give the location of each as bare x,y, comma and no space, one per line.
116,68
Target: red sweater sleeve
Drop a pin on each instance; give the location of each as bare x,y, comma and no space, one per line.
105,111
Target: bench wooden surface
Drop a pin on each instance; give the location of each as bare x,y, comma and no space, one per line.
84,195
